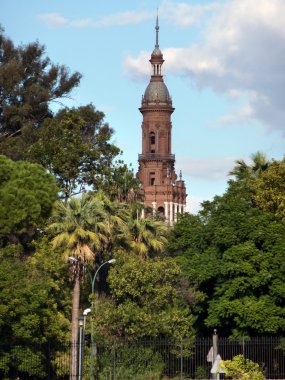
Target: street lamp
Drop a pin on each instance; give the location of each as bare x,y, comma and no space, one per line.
93,279
82,324
73,260
81,345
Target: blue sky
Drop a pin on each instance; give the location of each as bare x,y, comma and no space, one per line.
224,68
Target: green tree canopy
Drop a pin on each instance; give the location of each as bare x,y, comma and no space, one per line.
122,185
270,189
145,300
244,171
234,253
147,237
33,308
29,82
27,194
75,146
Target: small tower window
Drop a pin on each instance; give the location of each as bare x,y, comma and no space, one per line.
152,178
152,138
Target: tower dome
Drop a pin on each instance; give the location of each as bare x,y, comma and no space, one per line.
156,52
156,92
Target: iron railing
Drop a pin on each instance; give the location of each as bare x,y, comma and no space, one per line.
147,359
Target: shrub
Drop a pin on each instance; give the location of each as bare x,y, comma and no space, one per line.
241,368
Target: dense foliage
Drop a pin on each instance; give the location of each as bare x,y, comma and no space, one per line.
73,144
270,189
75,147
146,301
29,82
241,368
234,253
27,194
34,308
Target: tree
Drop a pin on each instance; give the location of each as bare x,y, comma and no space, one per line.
259,164
145,300
33,299
234,253
122,185
147,237
77,227
249,298
270,189
115,216
29,82
75,147
27,194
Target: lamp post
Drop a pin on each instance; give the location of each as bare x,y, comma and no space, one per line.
93,281
81,334
82,324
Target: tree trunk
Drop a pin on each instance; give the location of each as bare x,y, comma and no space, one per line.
74,330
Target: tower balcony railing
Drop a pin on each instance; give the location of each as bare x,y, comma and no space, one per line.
156,156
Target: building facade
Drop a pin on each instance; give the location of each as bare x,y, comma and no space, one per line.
163,192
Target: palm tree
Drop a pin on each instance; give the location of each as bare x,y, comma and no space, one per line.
243,171
259,163
147,237
79,229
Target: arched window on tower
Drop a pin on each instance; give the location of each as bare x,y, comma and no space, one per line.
152,138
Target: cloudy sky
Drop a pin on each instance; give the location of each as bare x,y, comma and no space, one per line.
224,68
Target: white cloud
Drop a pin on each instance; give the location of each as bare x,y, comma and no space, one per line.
118,19
242,53
193,204
238,116
137,68
124,18
212,169
185,14
53,20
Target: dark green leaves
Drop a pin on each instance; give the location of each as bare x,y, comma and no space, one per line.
235,253
27,194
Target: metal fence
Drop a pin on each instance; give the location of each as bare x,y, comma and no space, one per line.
149,359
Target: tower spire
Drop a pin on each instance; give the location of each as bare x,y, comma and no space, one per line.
156,30
156,56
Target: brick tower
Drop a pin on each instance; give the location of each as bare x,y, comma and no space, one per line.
162,191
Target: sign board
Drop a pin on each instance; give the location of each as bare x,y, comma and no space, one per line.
210,355
217,366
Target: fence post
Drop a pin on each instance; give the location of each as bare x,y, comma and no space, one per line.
215,350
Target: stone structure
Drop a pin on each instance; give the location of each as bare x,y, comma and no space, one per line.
162,191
